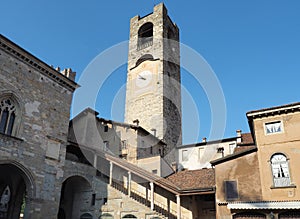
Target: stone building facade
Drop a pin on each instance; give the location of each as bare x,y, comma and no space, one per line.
34,115
93,168
106,170
127,141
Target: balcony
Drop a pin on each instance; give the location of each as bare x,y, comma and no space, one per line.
144,42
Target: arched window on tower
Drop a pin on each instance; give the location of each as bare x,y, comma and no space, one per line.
145,36
280,170
144,58
171,35
8,115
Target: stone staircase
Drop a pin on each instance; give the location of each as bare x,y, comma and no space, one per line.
159,209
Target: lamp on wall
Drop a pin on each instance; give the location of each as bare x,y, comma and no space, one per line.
272,216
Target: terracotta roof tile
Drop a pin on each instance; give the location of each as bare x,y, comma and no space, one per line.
242,148
247,139
278,108
193,179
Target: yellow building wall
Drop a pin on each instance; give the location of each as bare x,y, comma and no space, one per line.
245,171
286,142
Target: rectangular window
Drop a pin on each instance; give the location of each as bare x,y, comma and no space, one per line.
106,145
124,144
93,199
154,171
200,153
105,128
231,190
273,127
231,148
280,170
184,155
3,121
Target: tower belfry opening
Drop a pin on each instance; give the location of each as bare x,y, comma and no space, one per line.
145,35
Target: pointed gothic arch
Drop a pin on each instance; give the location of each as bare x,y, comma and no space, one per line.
10,114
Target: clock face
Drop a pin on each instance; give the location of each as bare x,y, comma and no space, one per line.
143,79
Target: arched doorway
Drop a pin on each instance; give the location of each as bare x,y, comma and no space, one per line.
249,215
76,194
14,188
290,215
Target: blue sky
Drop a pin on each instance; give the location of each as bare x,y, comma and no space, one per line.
252,46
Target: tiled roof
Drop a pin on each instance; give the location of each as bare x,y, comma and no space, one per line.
236,154
193,179
274,110
247,139
207,143
240,149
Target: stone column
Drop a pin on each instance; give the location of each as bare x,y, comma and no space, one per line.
95,160
129,183
110,172
152,195
178,206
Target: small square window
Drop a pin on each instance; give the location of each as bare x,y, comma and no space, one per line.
154,171
185,155
273,127
231,190
105,128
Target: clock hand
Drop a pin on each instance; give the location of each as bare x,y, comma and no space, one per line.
140,77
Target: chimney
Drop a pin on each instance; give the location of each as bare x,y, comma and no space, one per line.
238,136
136,121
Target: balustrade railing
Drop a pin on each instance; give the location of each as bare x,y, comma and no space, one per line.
144,42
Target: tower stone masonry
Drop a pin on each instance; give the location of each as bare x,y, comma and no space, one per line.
153,92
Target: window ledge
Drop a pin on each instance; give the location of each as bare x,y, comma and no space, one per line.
11,137
284,187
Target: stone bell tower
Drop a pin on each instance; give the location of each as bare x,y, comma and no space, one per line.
153,92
